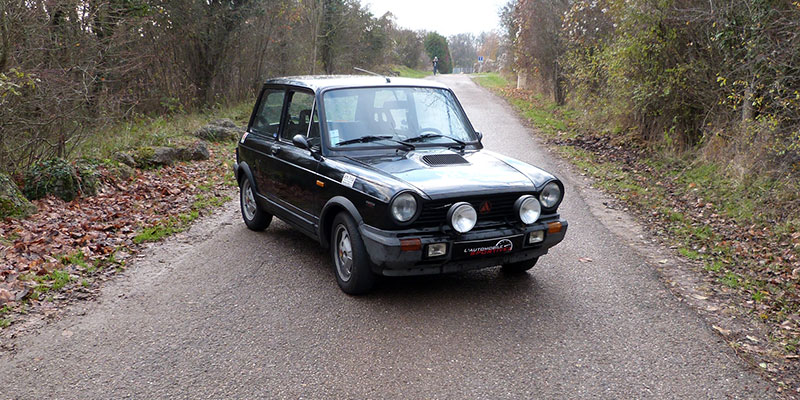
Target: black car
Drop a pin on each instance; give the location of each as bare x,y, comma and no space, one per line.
391,176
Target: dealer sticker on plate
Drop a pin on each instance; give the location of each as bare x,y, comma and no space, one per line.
348,180
486,248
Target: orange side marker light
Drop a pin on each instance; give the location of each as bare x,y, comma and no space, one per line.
410,245
554,227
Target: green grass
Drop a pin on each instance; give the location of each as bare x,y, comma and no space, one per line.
731,280
5,323
491,80
689,253
157,131
159,231
173,225
205,202
54,281
714,266
76,258
405,72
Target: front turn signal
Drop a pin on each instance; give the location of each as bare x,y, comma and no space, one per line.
554,227
410,245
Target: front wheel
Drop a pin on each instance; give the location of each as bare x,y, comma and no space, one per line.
519,267
254,217
350,259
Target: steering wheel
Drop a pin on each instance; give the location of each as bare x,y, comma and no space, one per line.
426,130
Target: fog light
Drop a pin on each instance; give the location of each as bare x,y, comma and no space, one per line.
437,249
535,237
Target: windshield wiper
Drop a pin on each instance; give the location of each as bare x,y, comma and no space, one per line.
372,138
426,136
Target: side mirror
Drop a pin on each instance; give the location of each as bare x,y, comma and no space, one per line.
300,141
480,136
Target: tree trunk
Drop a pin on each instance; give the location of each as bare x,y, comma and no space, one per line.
747,104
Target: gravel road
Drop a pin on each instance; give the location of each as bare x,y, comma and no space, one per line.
223,312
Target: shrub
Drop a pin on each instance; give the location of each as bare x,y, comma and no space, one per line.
60,178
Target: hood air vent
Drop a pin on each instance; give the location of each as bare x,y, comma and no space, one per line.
436,160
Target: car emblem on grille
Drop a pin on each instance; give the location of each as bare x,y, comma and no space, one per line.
485,207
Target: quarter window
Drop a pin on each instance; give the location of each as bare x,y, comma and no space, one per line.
268,118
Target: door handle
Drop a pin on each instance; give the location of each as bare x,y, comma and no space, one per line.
276,149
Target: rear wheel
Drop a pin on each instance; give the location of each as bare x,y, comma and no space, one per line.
519,267
254,217
350,258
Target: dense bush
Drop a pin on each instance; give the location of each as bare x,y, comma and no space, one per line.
61,179
685,73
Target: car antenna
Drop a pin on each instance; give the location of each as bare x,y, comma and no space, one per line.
373,73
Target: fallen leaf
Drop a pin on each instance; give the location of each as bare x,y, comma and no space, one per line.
723,331
5,296
585,260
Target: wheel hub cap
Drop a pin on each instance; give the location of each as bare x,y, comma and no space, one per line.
249,201
344,253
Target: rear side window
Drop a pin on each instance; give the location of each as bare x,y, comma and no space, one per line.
268,117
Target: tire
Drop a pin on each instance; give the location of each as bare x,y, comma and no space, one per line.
519,267
254,217
350,259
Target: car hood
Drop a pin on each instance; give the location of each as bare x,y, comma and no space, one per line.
443,173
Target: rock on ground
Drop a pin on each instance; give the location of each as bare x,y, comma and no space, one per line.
195,151
221,130
12,202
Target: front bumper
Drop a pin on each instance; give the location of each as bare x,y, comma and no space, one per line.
388,257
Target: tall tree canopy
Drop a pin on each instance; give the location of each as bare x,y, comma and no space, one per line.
436,46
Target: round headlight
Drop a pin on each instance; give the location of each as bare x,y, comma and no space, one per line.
404,207
551,195
462,217
528,208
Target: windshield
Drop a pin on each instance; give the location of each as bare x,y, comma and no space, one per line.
394,117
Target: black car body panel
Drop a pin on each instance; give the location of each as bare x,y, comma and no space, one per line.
308,187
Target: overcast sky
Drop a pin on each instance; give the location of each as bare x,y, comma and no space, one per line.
447,17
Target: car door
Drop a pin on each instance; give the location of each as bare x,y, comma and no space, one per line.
262,137
296,168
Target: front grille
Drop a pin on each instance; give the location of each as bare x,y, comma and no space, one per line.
435,160
434,213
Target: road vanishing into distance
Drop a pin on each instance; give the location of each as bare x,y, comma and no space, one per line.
222,312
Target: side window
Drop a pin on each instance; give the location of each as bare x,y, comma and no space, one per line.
268,118
299,117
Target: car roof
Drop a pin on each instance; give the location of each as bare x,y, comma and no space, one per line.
322,82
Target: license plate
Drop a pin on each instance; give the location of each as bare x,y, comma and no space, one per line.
486,248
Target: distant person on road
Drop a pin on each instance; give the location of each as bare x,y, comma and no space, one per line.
435,65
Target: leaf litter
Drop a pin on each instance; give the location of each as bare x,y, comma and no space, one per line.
66,250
